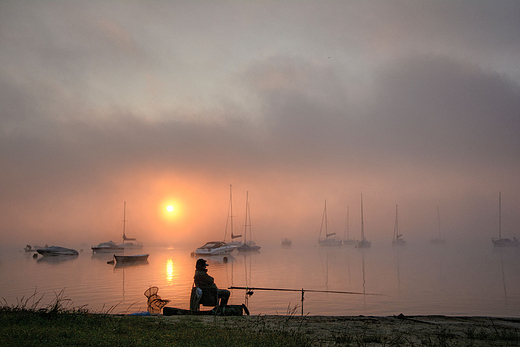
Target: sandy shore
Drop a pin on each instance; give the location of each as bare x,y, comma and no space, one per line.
382,331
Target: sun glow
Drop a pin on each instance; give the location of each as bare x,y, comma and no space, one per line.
170,210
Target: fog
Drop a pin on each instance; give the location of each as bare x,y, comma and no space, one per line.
168,103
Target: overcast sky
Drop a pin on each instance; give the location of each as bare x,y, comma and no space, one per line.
415,103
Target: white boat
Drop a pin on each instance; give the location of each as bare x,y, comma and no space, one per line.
363,243
250,245
222,247
503,242
329,239
215,248
397,240
107,247
56,251
129,242
438,240
131,258
346,238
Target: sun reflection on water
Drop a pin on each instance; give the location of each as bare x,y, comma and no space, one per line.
169,271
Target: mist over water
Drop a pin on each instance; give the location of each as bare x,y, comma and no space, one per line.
450,279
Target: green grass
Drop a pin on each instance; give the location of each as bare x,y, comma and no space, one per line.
44,327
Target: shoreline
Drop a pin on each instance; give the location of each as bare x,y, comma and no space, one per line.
423,330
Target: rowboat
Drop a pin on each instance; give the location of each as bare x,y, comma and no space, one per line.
137,258
56,250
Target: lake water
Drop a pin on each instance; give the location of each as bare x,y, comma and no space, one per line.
418,279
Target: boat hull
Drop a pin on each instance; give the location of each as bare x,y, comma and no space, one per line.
217,251
248,247
131,245
329,242
131,258
107,247
506,242
56,251
215,248
364,244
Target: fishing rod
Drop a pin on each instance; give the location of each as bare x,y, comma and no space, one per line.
250,291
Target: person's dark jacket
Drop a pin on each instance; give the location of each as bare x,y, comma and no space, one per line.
203,280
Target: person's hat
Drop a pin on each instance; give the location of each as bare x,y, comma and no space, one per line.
201,264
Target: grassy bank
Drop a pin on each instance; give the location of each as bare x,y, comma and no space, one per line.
59,324
21,327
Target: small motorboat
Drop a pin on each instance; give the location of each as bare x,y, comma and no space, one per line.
125,259
30,248
215,248
286,242
56,251
107,247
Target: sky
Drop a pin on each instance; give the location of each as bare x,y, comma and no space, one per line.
157,103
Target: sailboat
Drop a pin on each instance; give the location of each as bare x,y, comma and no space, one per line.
439,240
129,242
364,243
230,221
250,245
397,240
221,247
328,240
347,240
500,242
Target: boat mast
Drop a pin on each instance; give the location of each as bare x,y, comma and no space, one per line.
231,212
347,227
247,222
325,216
362,224
124,221
396,226
499,215
439,221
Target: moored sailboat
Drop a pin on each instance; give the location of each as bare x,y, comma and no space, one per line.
250,245
503,242
438,240
363,243
329,239
346,239
222,247
397,240
129,242
230,223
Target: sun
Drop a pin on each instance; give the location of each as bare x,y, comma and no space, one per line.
169,208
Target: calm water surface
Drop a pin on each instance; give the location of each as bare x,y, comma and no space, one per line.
413,280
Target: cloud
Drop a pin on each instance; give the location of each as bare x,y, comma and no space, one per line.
400,101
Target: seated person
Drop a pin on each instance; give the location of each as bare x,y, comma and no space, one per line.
205,281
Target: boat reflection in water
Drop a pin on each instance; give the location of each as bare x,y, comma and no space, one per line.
57,259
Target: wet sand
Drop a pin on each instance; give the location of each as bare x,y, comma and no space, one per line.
382,331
